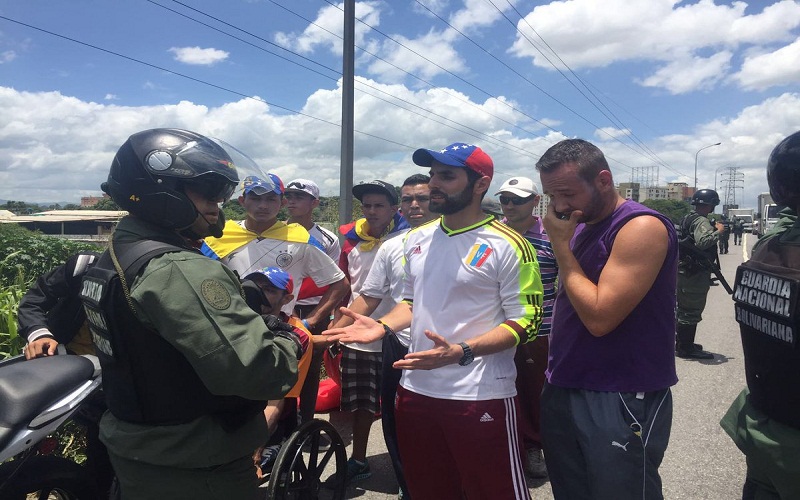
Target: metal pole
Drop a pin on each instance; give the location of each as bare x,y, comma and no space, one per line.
695,163
348,76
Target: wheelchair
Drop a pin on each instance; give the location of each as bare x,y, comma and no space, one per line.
300,464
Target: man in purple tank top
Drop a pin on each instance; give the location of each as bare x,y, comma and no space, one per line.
607,405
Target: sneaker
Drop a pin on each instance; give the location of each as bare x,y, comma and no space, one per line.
268,456
356,471
536,467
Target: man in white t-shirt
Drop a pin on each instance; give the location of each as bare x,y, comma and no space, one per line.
302,197
384,285
261,240
361,362
473,288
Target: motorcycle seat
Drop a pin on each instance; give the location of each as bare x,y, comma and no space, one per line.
27,388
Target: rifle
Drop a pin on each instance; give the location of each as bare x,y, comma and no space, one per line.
687,248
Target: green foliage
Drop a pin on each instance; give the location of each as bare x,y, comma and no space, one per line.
10,342
105,204
21,207
25,255
233,210
674,209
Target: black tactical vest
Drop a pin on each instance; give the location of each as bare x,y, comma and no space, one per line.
766,304
145,379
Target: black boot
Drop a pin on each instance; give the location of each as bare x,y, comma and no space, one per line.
685,346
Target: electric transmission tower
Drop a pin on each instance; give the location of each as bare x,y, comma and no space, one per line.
732,181
647,178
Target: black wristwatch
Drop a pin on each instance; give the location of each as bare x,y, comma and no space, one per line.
387,330
468,357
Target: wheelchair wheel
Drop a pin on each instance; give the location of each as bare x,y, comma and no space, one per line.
300,464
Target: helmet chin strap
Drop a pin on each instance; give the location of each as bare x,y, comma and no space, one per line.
214,230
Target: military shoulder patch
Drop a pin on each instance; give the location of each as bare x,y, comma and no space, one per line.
215,294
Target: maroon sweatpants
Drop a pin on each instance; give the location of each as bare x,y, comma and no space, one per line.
460,449
531,362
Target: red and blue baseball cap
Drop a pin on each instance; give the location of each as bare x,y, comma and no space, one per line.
457,154
259,186
278,277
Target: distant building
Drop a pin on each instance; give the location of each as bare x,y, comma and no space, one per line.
84,225
679,191
653,193
541,208
90,201
629,190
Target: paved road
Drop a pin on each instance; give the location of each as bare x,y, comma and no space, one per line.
701,461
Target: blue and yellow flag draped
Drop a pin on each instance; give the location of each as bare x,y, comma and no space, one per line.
236,236
358,231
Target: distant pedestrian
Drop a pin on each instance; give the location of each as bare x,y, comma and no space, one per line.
738,230
725,234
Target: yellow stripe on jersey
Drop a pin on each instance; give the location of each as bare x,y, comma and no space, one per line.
530,285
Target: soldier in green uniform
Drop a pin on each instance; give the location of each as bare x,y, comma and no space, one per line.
764,421
187,365
694,280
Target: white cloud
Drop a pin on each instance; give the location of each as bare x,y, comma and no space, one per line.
111,97
198,55
63,146
690,74
588,34
327,29
7,56
781,67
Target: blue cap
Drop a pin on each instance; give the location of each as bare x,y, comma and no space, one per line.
277,276
259,186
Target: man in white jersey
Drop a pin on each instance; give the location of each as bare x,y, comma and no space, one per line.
302,197
473,288
361,362
382,290
261,240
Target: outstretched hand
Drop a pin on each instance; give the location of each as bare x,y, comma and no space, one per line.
363,330
442,354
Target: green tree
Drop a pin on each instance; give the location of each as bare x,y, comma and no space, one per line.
674,209
105,204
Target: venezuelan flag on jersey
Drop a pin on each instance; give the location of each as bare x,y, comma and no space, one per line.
235,236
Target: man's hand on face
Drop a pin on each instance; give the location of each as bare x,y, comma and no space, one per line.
560,227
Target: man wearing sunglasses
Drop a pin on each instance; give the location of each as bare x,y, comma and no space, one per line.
519,196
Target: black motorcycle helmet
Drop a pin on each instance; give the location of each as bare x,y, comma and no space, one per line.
705,197
149,171
783,172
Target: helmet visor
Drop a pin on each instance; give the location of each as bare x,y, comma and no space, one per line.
212,187
246,167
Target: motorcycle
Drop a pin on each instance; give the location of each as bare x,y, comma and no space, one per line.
38,397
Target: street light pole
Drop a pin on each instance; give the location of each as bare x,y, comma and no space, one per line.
716,173
695,162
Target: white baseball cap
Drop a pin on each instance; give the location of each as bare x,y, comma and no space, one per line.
520,186
304,186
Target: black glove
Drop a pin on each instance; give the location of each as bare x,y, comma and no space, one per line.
287,331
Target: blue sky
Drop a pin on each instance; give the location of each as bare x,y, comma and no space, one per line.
649,81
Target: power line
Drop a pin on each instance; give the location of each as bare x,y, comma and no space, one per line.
459,127
596,102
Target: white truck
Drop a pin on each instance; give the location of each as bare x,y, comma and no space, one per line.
767,213
746,215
